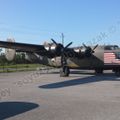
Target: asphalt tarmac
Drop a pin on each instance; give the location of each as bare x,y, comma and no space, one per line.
82,96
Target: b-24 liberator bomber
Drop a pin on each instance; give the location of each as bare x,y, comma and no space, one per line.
98,58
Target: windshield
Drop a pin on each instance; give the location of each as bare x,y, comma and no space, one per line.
115,47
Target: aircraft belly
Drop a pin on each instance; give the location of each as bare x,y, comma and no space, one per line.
84,63
96,60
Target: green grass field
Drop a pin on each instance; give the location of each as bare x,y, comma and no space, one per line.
20,67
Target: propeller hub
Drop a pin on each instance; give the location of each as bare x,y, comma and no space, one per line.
89,50
59,49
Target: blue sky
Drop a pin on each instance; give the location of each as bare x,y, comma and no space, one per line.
35,21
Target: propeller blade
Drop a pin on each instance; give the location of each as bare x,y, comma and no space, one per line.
54,41
68,45
85,45
95,47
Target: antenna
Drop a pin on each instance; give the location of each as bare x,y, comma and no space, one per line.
62,38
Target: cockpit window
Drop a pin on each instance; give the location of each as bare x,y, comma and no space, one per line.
115,47
118,55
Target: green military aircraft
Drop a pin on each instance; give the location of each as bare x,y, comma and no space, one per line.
98,58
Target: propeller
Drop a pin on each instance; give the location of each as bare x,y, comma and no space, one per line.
54,42
95,47
60,50
60,46
85,45
89,50
68,45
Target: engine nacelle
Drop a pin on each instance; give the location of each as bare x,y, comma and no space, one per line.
56,49
10,53
49,46
77,50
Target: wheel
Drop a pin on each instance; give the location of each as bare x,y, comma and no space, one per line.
99,71
64,72
61,72
117,72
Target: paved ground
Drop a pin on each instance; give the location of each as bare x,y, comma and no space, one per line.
34,96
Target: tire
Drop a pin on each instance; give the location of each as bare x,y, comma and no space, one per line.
64,72
117,72
99,71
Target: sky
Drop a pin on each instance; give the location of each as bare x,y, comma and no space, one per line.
81,21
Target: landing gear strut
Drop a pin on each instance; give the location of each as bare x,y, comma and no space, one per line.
64,71
61,50
117,72
99,71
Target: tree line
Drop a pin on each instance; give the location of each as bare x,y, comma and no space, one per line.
19,59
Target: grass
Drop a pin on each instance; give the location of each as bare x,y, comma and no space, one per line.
19,67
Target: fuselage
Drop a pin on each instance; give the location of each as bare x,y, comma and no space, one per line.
106,57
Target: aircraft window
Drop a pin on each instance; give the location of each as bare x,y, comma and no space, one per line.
111,47
118,55
107,48
116,47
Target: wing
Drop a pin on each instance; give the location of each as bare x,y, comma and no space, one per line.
40,50
24,47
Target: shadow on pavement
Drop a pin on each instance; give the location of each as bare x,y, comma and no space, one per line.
10,109
80,81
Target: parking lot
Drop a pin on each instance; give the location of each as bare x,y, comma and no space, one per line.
81,96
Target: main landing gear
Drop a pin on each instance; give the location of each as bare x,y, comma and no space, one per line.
61,51
98,71
64,71
117,71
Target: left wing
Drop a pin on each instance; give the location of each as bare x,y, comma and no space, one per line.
24,47
51,51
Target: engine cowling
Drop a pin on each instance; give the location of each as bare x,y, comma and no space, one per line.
55,48
10,53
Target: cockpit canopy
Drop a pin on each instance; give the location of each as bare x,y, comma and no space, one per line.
111,47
